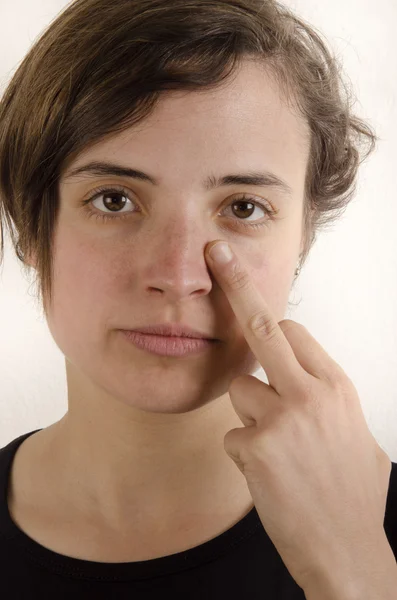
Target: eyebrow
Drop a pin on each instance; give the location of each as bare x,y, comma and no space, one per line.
255,178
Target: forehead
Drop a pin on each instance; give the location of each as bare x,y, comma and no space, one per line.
245,122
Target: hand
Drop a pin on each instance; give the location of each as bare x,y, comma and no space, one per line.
317,476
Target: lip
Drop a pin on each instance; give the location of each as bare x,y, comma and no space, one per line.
173,330
169,345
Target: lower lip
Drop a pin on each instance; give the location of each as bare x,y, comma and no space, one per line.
168,346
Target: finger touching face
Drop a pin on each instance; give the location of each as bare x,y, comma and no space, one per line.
261,329
145,263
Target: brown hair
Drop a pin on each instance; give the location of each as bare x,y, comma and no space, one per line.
101,67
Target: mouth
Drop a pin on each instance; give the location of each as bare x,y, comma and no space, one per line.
173,330
171,346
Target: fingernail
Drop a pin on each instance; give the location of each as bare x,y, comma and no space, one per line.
221,253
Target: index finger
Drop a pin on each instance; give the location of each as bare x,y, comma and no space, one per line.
261,330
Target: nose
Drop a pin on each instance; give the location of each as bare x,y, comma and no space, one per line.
177,271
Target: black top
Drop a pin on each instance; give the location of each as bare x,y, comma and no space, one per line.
240,564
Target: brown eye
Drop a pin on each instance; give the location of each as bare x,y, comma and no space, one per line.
244,207
114,200
242,211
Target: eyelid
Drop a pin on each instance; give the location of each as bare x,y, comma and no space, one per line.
263,203
122,188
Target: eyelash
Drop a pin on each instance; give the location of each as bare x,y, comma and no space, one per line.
121,190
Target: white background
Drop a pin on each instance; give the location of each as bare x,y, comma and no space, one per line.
348,288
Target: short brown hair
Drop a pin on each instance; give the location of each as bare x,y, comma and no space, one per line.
101,67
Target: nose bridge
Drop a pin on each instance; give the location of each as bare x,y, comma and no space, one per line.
175,262
182,233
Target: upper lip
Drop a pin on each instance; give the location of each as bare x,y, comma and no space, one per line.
173,330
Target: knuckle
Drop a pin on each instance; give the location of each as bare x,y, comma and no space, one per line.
238,383
238,279
257,446
340,382
336,377
262,324
304,392
283,414
309,395
287,324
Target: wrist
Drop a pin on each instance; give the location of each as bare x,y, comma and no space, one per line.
359,578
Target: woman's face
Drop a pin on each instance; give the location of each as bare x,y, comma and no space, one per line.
149,267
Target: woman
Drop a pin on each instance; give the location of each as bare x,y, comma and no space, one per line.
196,121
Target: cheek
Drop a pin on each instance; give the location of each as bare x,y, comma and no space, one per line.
272,277
78,266
85,275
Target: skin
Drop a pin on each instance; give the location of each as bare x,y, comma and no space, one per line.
142,441
317,475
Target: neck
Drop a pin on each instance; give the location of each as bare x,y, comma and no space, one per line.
165,472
